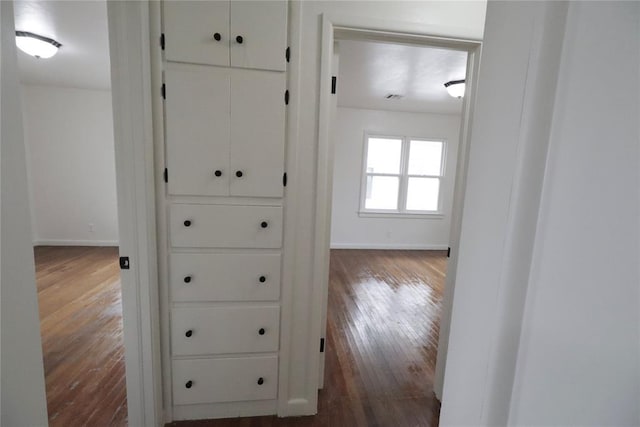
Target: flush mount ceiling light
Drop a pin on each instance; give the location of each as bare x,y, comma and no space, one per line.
455,88
35,45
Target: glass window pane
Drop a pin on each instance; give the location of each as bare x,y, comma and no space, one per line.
383,155
382,192
422,194
425,157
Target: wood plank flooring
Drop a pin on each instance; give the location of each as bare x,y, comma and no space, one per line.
81,325
382,336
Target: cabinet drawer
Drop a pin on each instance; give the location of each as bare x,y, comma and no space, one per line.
220,330
225,277
223,226
224,380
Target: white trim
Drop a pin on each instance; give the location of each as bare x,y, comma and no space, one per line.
365,28
473,64
402,215
133,135
64,242
390,246
286,405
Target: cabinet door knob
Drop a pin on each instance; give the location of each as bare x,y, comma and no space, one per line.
188,333
262,279
239,39
189,384
187,279
218,173
264,224
239,174
260,381
261,331
187,223
217,37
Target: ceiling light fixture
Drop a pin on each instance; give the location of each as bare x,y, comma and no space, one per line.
35,45
455,88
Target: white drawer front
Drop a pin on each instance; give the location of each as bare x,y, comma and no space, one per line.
224,380
219,330
225,277
224,226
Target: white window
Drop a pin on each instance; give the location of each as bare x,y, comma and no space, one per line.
402,175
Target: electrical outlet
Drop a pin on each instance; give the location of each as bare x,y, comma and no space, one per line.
90,227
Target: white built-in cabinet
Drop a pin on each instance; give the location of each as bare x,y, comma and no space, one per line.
231,143
224,114
244,34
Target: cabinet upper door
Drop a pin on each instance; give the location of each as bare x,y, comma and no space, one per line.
257,133
197,130
262,25
197,31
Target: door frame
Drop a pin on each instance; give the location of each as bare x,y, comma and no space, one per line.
357,28
128,28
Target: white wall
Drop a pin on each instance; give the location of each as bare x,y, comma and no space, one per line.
544,328
579,357
69,139
348,229
299,345
21,371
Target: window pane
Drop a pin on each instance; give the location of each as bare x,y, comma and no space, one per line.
422,194
383,155
382,192
425,158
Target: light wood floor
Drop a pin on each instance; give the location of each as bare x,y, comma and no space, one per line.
382,336
81,326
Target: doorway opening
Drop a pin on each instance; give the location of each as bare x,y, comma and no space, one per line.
390,189
69,140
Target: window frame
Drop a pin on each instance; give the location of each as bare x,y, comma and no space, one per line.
403,175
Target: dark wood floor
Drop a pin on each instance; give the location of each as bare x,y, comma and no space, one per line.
81,326
382,336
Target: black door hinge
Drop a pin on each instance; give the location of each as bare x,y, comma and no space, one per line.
284,179
162,41
334,83
286,97
449,252
287,54
163,91
124,263
321,345
166,175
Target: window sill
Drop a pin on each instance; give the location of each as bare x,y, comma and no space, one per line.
405,215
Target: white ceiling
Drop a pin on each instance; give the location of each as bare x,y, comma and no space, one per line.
81,27
368,71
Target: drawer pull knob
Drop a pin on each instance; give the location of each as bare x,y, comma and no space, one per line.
239,39
189,384
188,333
239,174
218,173
262,279
261,331
187,279
187,223
264,224
217,37
260,381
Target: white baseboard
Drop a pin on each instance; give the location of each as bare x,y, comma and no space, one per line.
389,246
61,242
